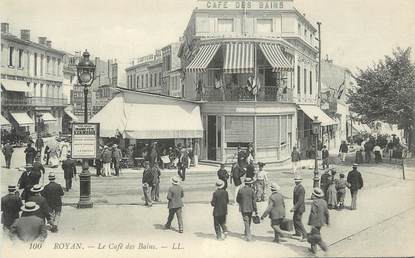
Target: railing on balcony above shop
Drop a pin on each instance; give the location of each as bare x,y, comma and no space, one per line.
265,93
34,101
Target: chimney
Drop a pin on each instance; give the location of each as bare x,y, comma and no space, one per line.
25,35
42,40
4,27
49,43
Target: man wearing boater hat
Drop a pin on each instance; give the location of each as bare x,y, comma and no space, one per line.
53,193
175,203
319,216
276,211
41,201
69,171
26,181
299,208
247,205
355,180
220,201
10,207
29,228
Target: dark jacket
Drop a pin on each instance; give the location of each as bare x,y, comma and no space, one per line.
237,173
116,154
174,196
106,155
325,181
298,198
69,168
27,180
44,210
319,213
344,148
10,207
53,193
325,154
38,170
147,177
246,199
354,178
155,171
39,143
220,200
8,149
223,175
29,229
30,152
250,171
276,207
295,156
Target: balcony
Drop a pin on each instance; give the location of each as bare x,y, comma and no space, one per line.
34,101
265,93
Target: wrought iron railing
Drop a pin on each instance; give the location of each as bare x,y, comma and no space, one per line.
34,101
265,93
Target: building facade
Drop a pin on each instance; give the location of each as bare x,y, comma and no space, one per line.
145,73
171,71
32,84
253,67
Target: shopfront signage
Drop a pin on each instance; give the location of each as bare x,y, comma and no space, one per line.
85,138
244,5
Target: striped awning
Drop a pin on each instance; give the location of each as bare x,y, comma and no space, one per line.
275,57
203,58
240,57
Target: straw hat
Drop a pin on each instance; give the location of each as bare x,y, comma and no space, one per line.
12,188
298,178
52,176
317,192
274,187
36,189
175,180
30,207
220,184
355,165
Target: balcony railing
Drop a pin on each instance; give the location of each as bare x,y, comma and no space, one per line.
34,101
265,93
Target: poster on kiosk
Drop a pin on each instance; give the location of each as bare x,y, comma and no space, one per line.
85,140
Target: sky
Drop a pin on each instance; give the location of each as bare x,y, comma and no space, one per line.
355,33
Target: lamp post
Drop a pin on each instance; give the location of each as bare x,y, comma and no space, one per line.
316,132
86,75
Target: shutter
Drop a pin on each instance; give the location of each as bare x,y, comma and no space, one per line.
239,129
290,124
283,130
267,131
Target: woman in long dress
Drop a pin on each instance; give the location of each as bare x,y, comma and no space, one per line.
332,191
53,155
63,150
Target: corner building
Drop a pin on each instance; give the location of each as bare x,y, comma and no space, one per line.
252,65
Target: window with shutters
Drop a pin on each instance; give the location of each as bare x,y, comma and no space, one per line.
225,25
298,80
264,26
311,83
267,131
239,129
283,128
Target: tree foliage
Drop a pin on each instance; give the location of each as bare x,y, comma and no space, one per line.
386,91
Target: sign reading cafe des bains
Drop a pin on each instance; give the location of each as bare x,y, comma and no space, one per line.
85,140
248,4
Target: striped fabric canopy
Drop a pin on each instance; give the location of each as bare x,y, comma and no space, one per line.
203,58
275,57
240,57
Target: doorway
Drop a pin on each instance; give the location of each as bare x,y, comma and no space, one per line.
211,135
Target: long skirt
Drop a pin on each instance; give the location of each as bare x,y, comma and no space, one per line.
332,196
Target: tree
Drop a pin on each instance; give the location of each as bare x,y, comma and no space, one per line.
386,92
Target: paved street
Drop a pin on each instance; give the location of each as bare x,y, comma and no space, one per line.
119,210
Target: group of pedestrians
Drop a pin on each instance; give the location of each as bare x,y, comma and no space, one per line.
108,162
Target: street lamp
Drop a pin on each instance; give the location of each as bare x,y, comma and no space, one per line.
86,75
316,132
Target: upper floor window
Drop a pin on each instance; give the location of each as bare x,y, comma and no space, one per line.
59,67
264,25
305,34
225,25
20,58
311,83
298,80
11,50
47,64
305,81
41,65
299,29
35,64
147,80
151,80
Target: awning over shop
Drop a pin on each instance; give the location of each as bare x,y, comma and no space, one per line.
22,119
47,117
14,85
4,122
138,115
71,115
203,58
239,57
275,57
314,111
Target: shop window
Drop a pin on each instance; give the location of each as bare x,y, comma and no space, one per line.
239,129
264,26
225,25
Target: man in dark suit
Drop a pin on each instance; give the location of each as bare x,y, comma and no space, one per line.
247,205
299,208
43,212
116,158
220,200
250,169
237,173
29,228
275,211
30,153
69,171
355,180
8,152
319,216
38,170
26,181
39,144
183,164
10,207
175,203
155,190
223,175
325,182
147,182
53,193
